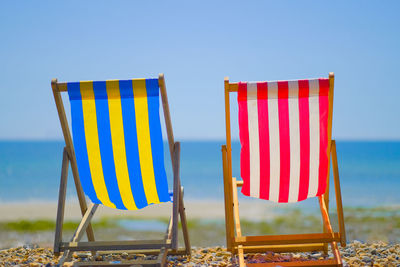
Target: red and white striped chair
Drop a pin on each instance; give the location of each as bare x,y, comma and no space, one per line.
285,132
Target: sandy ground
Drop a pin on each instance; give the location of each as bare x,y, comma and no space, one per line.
194,210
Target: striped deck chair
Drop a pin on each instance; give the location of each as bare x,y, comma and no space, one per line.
117,160
285,134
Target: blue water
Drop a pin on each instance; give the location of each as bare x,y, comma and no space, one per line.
369,171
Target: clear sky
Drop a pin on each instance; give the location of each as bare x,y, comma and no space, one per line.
196,44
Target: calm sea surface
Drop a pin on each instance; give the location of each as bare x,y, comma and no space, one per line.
369,171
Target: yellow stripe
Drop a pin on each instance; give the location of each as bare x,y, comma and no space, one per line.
118,144
144,143
92,143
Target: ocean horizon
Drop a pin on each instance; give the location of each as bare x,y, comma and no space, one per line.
369,171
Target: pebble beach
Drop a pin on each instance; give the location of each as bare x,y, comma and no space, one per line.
355,253
25,242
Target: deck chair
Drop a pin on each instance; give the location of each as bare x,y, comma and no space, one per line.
117,160
285,134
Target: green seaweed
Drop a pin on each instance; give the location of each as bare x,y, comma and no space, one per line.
30,226
47,225
361,223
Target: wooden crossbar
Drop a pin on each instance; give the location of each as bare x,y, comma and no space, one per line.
284,248
239,183
287,239
115,245
295,263
121,263
180,251
233,87
61,87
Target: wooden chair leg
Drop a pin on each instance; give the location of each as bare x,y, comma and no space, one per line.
336,253
176,201
237,221
185,231
84,222
228,201
325,230
338,194
326,200
241,256
328,228
236,209
61,203
162,257
80,231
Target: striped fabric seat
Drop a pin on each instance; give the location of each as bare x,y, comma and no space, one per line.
284,138
118,142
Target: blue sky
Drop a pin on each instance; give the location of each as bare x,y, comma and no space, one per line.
196,44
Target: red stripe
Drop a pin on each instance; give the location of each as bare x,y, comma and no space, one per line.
244,138
284,141
323,123
263,128
304,120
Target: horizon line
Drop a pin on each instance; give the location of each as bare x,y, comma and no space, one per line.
200,140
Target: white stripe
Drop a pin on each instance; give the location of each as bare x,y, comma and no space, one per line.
313,87
294,135
311,92
314,137
252,111
273,122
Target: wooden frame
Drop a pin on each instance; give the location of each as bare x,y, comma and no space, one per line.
169,244
238,244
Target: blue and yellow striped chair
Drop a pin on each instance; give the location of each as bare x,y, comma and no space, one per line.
117,158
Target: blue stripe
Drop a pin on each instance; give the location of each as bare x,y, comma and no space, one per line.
105,142
156,139
78,131
131,143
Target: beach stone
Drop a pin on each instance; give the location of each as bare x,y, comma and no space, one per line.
366,259
353,255
81,254
316,255
173,258
30,246
98,258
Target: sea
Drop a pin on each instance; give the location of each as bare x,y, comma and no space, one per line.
369,171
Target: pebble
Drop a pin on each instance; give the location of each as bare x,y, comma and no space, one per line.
366,259
355,253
